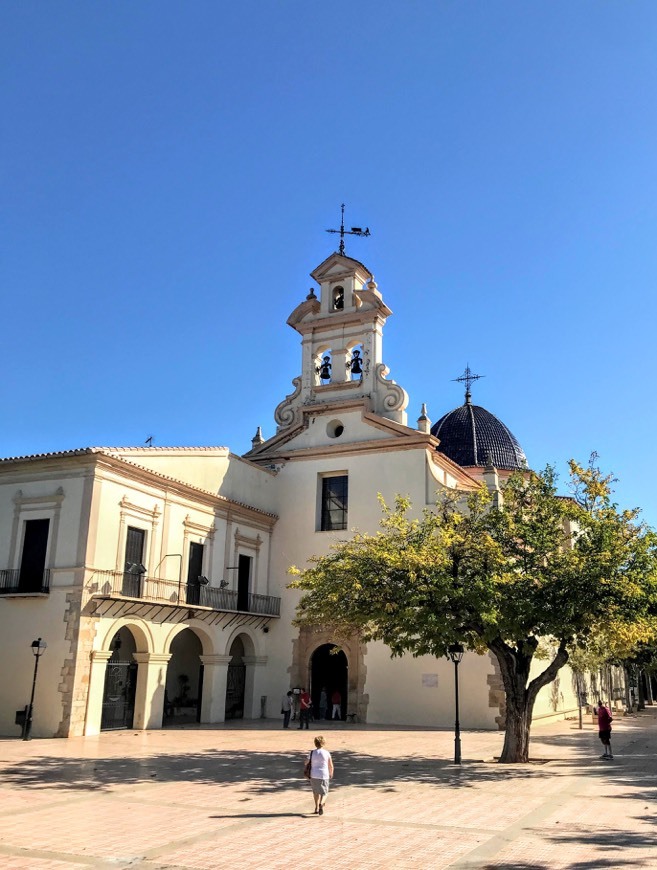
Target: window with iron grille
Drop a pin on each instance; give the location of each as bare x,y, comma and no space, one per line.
335,500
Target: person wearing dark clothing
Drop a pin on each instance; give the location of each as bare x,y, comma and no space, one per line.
604,730
323,704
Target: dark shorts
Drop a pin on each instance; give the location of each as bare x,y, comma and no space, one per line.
605,735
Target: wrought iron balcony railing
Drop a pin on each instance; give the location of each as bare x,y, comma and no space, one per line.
119,584
20,581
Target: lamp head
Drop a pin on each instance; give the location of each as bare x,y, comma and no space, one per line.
455,652
38,647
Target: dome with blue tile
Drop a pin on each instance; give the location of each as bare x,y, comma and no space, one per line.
473,437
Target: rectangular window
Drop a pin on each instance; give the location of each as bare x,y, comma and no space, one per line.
194,573
243,582
335,499
33,558
134,567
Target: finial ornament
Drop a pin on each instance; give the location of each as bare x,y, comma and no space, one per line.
423,421
467,378
354,231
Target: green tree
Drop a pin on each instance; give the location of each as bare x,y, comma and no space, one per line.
491,577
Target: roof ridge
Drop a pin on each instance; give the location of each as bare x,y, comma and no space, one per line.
190,485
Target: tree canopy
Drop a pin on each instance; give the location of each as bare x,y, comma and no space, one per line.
493,576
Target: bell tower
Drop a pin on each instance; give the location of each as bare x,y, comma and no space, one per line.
342,338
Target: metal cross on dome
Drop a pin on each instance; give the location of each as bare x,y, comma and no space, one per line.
467,378
354,231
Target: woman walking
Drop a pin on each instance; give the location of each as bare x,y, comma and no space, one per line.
321,771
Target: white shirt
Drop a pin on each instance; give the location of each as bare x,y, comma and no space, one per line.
319,763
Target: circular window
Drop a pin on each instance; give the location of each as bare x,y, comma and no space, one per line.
334,429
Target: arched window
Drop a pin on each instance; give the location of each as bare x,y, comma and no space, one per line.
323,367
355,363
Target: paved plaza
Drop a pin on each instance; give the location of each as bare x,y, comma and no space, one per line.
234,796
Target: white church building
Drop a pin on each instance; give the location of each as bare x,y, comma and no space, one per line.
158,576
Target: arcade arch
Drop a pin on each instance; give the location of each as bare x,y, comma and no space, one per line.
329,671
118,704
355,700
184,681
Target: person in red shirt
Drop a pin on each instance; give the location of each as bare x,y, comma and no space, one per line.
305,705
604,729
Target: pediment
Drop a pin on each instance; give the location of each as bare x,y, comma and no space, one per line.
338,266
309,433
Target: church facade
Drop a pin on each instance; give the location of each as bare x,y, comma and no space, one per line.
158,576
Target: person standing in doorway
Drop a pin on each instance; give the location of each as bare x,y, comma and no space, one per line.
286,709
323,703
321,771
604,729
305,705
336,700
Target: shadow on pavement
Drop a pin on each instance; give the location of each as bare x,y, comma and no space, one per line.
263,816
262,772
274,772
593,864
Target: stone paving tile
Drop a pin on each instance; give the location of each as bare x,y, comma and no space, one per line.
32,862
18,800
555,855
344,843
211,798
600,811
109,830
424,806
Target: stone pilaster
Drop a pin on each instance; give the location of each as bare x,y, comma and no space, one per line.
151,683
215,677
97,669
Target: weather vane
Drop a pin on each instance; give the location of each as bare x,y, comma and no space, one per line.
354,231
467,378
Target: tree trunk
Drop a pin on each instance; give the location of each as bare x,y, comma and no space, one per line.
516,736
639,681
515,663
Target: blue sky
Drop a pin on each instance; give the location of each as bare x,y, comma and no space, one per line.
169,169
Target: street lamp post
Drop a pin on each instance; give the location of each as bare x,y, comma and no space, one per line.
38,648
455,652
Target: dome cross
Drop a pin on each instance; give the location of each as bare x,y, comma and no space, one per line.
467,378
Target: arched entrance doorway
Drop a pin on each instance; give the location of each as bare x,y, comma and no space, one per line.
120,683
184,686
236,681
329,671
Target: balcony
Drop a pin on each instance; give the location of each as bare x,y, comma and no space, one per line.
22,582
155,590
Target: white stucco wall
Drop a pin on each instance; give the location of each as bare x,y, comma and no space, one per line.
37,491
408,691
